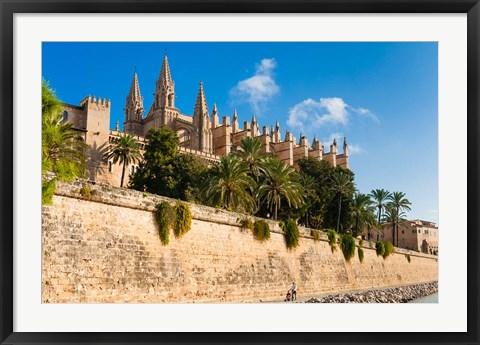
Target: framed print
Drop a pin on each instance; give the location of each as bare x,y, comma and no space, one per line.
243,172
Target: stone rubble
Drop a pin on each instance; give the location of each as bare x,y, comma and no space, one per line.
401,294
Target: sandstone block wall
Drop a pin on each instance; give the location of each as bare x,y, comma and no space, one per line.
107,249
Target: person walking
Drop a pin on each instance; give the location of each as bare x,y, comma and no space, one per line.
294,291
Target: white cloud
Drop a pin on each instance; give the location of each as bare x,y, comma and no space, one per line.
258,89
310,114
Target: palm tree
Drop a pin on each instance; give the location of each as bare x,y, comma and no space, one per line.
342,184
279,184
379,196
394,217
398,203
231,186
309,188
125,151
62,146
250,152
363,213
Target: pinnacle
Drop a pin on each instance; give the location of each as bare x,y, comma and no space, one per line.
201,103
134,93
235,114
165,76
214,108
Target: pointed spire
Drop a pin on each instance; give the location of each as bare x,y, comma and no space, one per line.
235,117
314,137
344,141
277,126
271,130
134,94
215,118
201,103
334,142
117,126
165,77
253,118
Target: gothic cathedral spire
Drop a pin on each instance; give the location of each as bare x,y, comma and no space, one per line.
202,137
134,108
165,87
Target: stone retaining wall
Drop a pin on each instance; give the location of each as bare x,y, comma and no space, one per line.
107,249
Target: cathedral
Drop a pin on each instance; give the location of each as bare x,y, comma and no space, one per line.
206,135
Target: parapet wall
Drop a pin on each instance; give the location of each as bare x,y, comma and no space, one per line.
107,249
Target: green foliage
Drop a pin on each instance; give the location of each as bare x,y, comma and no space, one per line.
409,259
163,217
230,186
182,219
62,147
389,249
280,184
360,254
347,244
86,192
360,242
246,224
315,234
292,235
48,189
125,151
332,239
261,230
165,172
380,248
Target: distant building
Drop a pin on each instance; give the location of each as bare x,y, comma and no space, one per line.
418,235
202,134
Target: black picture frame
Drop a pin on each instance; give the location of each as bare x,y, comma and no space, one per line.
9,8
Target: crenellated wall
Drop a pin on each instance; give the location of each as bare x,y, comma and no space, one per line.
107,249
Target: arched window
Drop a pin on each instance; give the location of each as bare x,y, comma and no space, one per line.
64,116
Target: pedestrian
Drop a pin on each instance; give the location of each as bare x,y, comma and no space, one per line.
294,292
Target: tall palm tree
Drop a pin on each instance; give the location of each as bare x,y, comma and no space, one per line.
309,185
393,217
380,197
250,152
230,185
280,184
399,204
125,151
62,146
363,213
342,184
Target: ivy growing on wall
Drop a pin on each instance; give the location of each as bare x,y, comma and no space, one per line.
332,239
315,234
261,230
163,217
380,248
347,244
360,254
389,249
292,235
182,219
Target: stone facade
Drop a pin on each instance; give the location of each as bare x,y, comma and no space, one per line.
418,235
202,134
106,249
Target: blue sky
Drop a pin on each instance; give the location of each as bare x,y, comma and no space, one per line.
381,96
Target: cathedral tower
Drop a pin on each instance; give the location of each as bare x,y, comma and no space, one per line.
134,109
202,133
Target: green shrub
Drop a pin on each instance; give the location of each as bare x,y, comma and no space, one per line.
360,254
347,244
332,239
246,224
389,249
163,217
315,234
261,230
182,219
48,189
360,242
380,248
86,192
409,259
292,235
